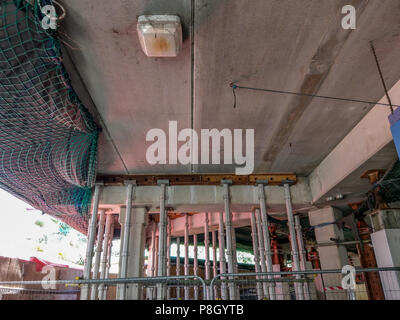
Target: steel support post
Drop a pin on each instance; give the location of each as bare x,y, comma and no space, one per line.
195,265
228,221
256,254
178,265
125,241
261,248
186,266
90,243
206,247
109,254
222,260
169,256
302,252
104,256
267,239
97,254
162,239
214,250
293,241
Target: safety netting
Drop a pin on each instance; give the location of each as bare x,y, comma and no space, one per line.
48,139
390,184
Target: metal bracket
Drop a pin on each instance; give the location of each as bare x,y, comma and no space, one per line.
128,182
160,182
228,182
289,182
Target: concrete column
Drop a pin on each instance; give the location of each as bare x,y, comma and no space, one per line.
256,254
228,228
195,266
331,257
90,242
186,241
136,247
293,241
386,243
104,256
302,253
97,255
222,260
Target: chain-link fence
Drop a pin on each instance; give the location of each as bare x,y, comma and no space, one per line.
346,284
148,288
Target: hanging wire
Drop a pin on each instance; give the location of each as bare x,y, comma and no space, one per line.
235,86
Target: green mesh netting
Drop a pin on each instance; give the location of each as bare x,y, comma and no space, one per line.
48,140
390,184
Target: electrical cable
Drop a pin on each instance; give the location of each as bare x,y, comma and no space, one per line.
235,86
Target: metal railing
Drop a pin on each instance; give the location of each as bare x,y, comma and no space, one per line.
315,285
367,284
144,288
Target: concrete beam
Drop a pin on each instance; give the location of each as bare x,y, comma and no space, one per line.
366,139
209,198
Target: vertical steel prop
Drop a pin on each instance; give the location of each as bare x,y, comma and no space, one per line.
229,250
222,260
256,254
162,239
104,256
293,241
125,240
90,243
214,250
302,251
97,255
186,266
206,249
195,266
266,236
261,248
169,255
178,265
109,255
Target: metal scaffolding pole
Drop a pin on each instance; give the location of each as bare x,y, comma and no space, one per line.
186,241
97,255
195,266
206,247
125,241
256,254
302,252
104,256
90,243
229,249
222,260
153,250
261,248
293,242
109,253
178,265
214,250
266,236
162,239
169,256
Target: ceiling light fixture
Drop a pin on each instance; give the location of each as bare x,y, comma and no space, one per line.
160,35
